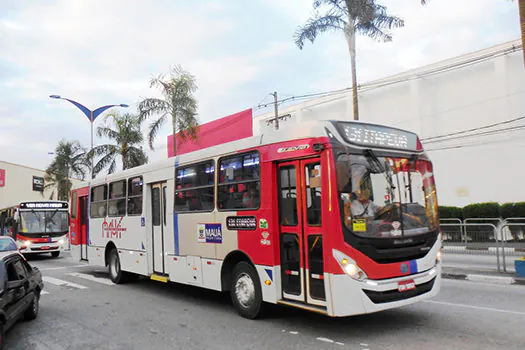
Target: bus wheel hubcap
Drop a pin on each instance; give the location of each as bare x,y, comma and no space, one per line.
245,290
114,267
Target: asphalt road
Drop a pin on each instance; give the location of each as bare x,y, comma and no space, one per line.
83,310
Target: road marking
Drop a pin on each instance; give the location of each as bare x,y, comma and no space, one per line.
58,282
91,278
44,292
294,332
326,340
64,267
476,307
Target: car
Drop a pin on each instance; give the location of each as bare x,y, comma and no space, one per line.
20,287
7,244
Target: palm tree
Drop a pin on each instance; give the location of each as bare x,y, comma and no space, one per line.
69,161
178,103
365,17
125,133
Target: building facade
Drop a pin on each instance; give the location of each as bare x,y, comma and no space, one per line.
469,112
20,183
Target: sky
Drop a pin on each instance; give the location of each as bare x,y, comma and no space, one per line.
105,52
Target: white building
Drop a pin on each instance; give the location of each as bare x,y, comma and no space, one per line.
463,93
20,183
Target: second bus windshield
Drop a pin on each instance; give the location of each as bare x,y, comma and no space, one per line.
43,221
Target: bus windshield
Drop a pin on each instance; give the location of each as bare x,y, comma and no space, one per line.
386,197
41,222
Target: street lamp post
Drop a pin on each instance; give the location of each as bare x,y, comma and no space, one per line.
91,115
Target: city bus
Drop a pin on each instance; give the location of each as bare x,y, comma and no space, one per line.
40,227
334,217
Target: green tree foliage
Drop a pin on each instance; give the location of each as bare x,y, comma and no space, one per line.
125,135
178,104
69,161
350,17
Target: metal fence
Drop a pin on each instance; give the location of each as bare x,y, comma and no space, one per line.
484,243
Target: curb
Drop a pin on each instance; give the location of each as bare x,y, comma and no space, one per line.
502,280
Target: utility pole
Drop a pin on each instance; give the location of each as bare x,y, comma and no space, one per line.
276,113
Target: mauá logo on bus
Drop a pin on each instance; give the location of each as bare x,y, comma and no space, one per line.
112,228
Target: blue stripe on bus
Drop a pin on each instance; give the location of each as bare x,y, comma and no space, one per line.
176,232
175,216
413,266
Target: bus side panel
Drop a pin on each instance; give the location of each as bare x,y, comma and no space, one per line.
262,244
96,256
192,233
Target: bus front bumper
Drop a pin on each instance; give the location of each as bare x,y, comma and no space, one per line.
39,248
351,297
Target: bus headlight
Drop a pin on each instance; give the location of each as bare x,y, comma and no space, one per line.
349,266
438,256
27,243
61,241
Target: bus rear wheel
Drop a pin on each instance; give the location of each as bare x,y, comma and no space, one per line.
246,291
115,272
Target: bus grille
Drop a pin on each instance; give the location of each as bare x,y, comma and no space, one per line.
395,295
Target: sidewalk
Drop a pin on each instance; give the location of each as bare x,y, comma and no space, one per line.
481,275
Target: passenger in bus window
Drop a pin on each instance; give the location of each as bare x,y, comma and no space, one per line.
250,198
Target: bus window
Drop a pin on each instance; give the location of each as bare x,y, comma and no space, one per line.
99,195
135,187
74,205
288,207
194,187
313,194
117,198
239,182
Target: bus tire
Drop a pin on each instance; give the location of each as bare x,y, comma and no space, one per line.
246,291
55,254
115,272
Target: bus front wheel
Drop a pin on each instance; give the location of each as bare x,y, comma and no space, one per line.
246,291
55,254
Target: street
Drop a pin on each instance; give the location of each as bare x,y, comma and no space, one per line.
82,309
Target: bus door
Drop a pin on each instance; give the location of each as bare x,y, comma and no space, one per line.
301,231
83,207
159,225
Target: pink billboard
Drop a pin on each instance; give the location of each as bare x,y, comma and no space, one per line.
2,177
233,127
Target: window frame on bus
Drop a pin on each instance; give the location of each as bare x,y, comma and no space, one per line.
116,199
207,162
133,197
105,201
256,181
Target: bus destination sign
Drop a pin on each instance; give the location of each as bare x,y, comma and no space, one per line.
43,205
378,136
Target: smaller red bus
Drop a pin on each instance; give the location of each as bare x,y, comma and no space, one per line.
41,227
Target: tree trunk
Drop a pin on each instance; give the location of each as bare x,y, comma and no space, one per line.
521,5
350,39
124,153
174,124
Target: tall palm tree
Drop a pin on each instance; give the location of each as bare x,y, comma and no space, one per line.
178,103
126,136
69,161
351,17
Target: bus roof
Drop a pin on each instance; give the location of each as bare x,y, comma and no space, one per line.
347,132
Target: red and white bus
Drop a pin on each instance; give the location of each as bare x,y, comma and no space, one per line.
41,227
335,217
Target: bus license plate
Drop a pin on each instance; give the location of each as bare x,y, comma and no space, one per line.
406,285
44,247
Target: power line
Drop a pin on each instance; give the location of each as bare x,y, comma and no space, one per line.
376,85
448,136
474,144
